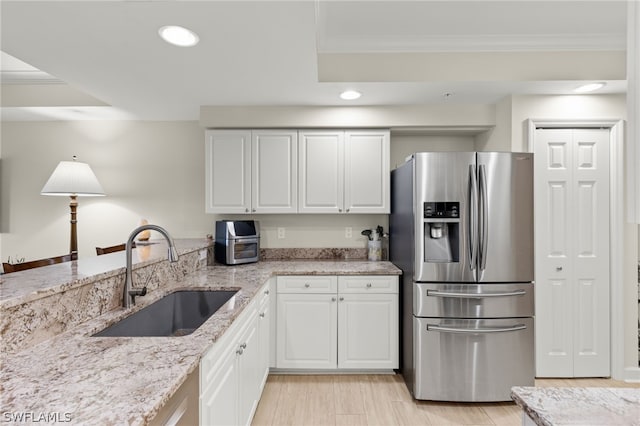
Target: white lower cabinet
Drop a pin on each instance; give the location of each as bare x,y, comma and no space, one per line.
233,371
329,322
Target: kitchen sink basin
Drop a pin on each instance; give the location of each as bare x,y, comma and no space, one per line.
177,314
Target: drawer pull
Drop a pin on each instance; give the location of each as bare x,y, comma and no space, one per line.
243,346
307,285
474,295
438,328
266,292
368,285
342,299
239,351
333,299
262,315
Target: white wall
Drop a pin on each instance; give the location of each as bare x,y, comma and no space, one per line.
149,170
405,145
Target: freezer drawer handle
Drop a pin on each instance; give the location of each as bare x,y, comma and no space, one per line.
516,327
474,295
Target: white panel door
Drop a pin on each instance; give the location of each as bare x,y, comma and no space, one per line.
366,161
572,252
591,338
368,331
228,171
274,171
307,331
321,171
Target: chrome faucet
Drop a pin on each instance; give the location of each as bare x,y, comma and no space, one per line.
129,295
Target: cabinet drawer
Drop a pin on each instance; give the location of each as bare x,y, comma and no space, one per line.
307,284
368,284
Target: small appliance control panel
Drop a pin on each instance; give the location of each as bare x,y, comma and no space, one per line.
442,210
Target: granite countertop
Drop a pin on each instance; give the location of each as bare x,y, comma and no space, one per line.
32,284
126,380
552,406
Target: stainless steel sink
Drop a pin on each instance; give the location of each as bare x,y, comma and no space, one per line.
176,314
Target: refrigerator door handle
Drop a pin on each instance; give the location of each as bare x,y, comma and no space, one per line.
484,217
441,329
472,220
435,293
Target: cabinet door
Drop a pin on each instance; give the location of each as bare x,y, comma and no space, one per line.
274,175
321,171
264,331
248,373
366,164
219,396
228,171
368,331
307,331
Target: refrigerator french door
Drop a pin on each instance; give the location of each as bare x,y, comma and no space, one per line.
461,228
475,215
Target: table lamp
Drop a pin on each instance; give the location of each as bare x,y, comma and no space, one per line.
73,179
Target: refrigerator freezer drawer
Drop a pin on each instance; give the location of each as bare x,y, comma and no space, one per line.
457,300
472,360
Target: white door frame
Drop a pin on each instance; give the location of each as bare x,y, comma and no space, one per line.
616,225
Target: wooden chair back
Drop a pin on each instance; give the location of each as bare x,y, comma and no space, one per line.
15,267
112,249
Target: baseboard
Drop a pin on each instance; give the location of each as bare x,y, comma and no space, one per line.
632,375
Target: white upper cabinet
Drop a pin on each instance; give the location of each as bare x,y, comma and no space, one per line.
274,172
321,176
344,172
289,171
228,171
366,171
251,171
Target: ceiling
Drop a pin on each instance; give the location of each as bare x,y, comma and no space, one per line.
104,59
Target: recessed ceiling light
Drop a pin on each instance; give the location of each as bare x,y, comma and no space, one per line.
589,87
178,36
349,95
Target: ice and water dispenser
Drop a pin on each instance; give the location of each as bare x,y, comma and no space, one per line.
441,232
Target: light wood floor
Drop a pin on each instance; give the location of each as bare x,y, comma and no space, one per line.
380,400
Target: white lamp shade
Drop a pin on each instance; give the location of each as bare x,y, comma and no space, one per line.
73,178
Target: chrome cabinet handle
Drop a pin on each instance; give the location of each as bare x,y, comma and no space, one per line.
333,299
368,285
266,292
262,315
559,268
246,210
239,351
339,210
306,285
244,345
342,299
348,210
253,210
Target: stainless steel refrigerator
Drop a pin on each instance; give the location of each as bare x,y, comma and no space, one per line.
461,229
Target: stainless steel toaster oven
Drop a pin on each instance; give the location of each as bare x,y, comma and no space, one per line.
237,241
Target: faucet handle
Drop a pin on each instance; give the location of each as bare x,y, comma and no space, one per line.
134,293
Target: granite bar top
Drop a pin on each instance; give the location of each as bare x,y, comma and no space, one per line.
127,380
24,286
553,406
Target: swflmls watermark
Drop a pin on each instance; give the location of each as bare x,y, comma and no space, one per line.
36,417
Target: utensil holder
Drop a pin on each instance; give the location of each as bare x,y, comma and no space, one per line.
374,250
